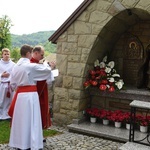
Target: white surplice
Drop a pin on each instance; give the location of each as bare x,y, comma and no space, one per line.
5,66
26,129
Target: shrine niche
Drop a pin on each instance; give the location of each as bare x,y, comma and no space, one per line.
133,58
144,71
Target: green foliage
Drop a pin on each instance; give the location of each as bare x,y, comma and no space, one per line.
15,54
5,36
51,48
5,132
38,38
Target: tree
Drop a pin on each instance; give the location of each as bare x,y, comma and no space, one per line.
15,54
5,35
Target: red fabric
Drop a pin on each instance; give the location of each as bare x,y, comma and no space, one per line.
8,91
44,103
30,88
8,94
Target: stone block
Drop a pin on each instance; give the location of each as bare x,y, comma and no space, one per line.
67,81
61,94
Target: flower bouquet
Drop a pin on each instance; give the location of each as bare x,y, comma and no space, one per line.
104,76
117,117
144,122
105,116
127,119
92,113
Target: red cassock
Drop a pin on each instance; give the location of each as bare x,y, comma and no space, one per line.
42,90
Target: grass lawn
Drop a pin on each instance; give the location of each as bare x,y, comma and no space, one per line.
5,132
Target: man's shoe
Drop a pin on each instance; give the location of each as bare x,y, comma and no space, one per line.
44,140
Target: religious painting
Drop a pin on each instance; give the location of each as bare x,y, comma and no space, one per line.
132,60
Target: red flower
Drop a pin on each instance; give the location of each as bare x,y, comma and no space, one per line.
143,120
104,114
86,83
94,83
117,116
104,76
127,117
104,82
92,72
102,72
98,72
97,78
111,89
102,87
93,77
92,112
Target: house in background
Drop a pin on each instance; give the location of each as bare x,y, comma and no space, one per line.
119,29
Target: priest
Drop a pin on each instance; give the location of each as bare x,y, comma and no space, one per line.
42,88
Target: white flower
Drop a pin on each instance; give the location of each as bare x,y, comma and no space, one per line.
102,65
96,63
114,70
111,79
111,64
104,59
108,86
115,75
119,84
108,73
107,70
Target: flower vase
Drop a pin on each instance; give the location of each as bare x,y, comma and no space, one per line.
117,124
93,119
144,129
128,126
105,121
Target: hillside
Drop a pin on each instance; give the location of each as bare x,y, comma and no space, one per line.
34,39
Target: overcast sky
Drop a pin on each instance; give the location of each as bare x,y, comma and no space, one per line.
29,16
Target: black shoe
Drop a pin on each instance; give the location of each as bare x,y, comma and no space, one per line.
44,140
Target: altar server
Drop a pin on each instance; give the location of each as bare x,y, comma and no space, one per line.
26,127
6,65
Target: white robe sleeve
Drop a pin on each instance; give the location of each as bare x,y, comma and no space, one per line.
43,72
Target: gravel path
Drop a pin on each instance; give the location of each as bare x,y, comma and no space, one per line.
73,141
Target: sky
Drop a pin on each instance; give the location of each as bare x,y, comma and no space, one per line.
30,16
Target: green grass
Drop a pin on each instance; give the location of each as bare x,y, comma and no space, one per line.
5,132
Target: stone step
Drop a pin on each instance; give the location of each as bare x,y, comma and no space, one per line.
134,146
109,131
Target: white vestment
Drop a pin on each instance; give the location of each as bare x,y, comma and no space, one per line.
26,129
5,66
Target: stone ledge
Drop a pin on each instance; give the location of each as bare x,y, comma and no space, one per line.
140,104
109,132
134,146
131,93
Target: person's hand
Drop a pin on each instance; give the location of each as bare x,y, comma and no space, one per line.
52,64
5,74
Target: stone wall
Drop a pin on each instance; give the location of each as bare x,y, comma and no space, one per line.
91,36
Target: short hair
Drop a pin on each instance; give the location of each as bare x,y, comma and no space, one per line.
25,49
38,48
5,50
